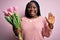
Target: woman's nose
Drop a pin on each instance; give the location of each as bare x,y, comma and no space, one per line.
32,9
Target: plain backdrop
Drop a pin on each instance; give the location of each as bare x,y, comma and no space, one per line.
46,6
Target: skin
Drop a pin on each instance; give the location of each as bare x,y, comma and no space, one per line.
50,19
32,10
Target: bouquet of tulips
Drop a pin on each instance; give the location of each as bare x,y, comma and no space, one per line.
14,20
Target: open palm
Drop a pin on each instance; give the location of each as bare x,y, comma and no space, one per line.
51,18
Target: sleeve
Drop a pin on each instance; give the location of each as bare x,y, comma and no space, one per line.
46,31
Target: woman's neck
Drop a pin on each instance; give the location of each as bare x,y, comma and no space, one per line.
34,17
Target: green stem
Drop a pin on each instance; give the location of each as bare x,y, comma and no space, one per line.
20,35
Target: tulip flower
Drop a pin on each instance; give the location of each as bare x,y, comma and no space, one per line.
14,20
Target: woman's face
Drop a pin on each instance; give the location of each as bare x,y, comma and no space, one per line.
32,9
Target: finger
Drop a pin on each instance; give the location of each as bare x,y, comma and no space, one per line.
46,19
54,18
50,14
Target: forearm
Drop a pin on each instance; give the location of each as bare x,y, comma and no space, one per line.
47,30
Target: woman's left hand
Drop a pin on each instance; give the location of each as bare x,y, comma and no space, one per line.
51,18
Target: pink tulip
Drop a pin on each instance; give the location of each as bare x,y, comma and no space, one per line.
14,8
9,11
6,13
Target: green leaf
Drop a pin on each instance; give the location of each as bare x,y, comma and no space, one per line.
8,19
15,21
17,18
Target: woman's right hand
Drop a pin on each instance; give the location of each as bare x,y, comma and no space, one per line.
15,31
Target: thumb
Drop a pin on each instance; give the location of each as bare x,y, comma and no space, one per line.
46,19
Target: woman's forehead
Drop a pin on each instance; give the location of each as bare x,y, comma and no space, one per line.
32,4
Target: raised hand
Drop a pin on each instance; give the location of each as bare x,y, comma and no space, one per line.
51,18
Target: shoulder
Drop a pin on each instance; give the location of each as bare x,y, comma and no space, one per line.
42,18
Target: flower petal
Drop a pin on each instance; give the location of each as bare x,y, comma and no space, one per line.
10,9
14,8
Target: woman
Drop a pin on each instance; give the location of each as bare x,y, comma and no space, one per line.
34,26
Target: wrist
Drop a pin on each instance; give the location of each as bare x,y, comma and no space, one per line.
51,26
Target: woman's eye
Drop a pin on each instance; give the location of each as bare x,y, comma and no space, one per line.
34,7
29,7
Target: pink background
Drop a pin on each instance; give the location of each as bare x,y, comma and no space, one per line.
46,6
